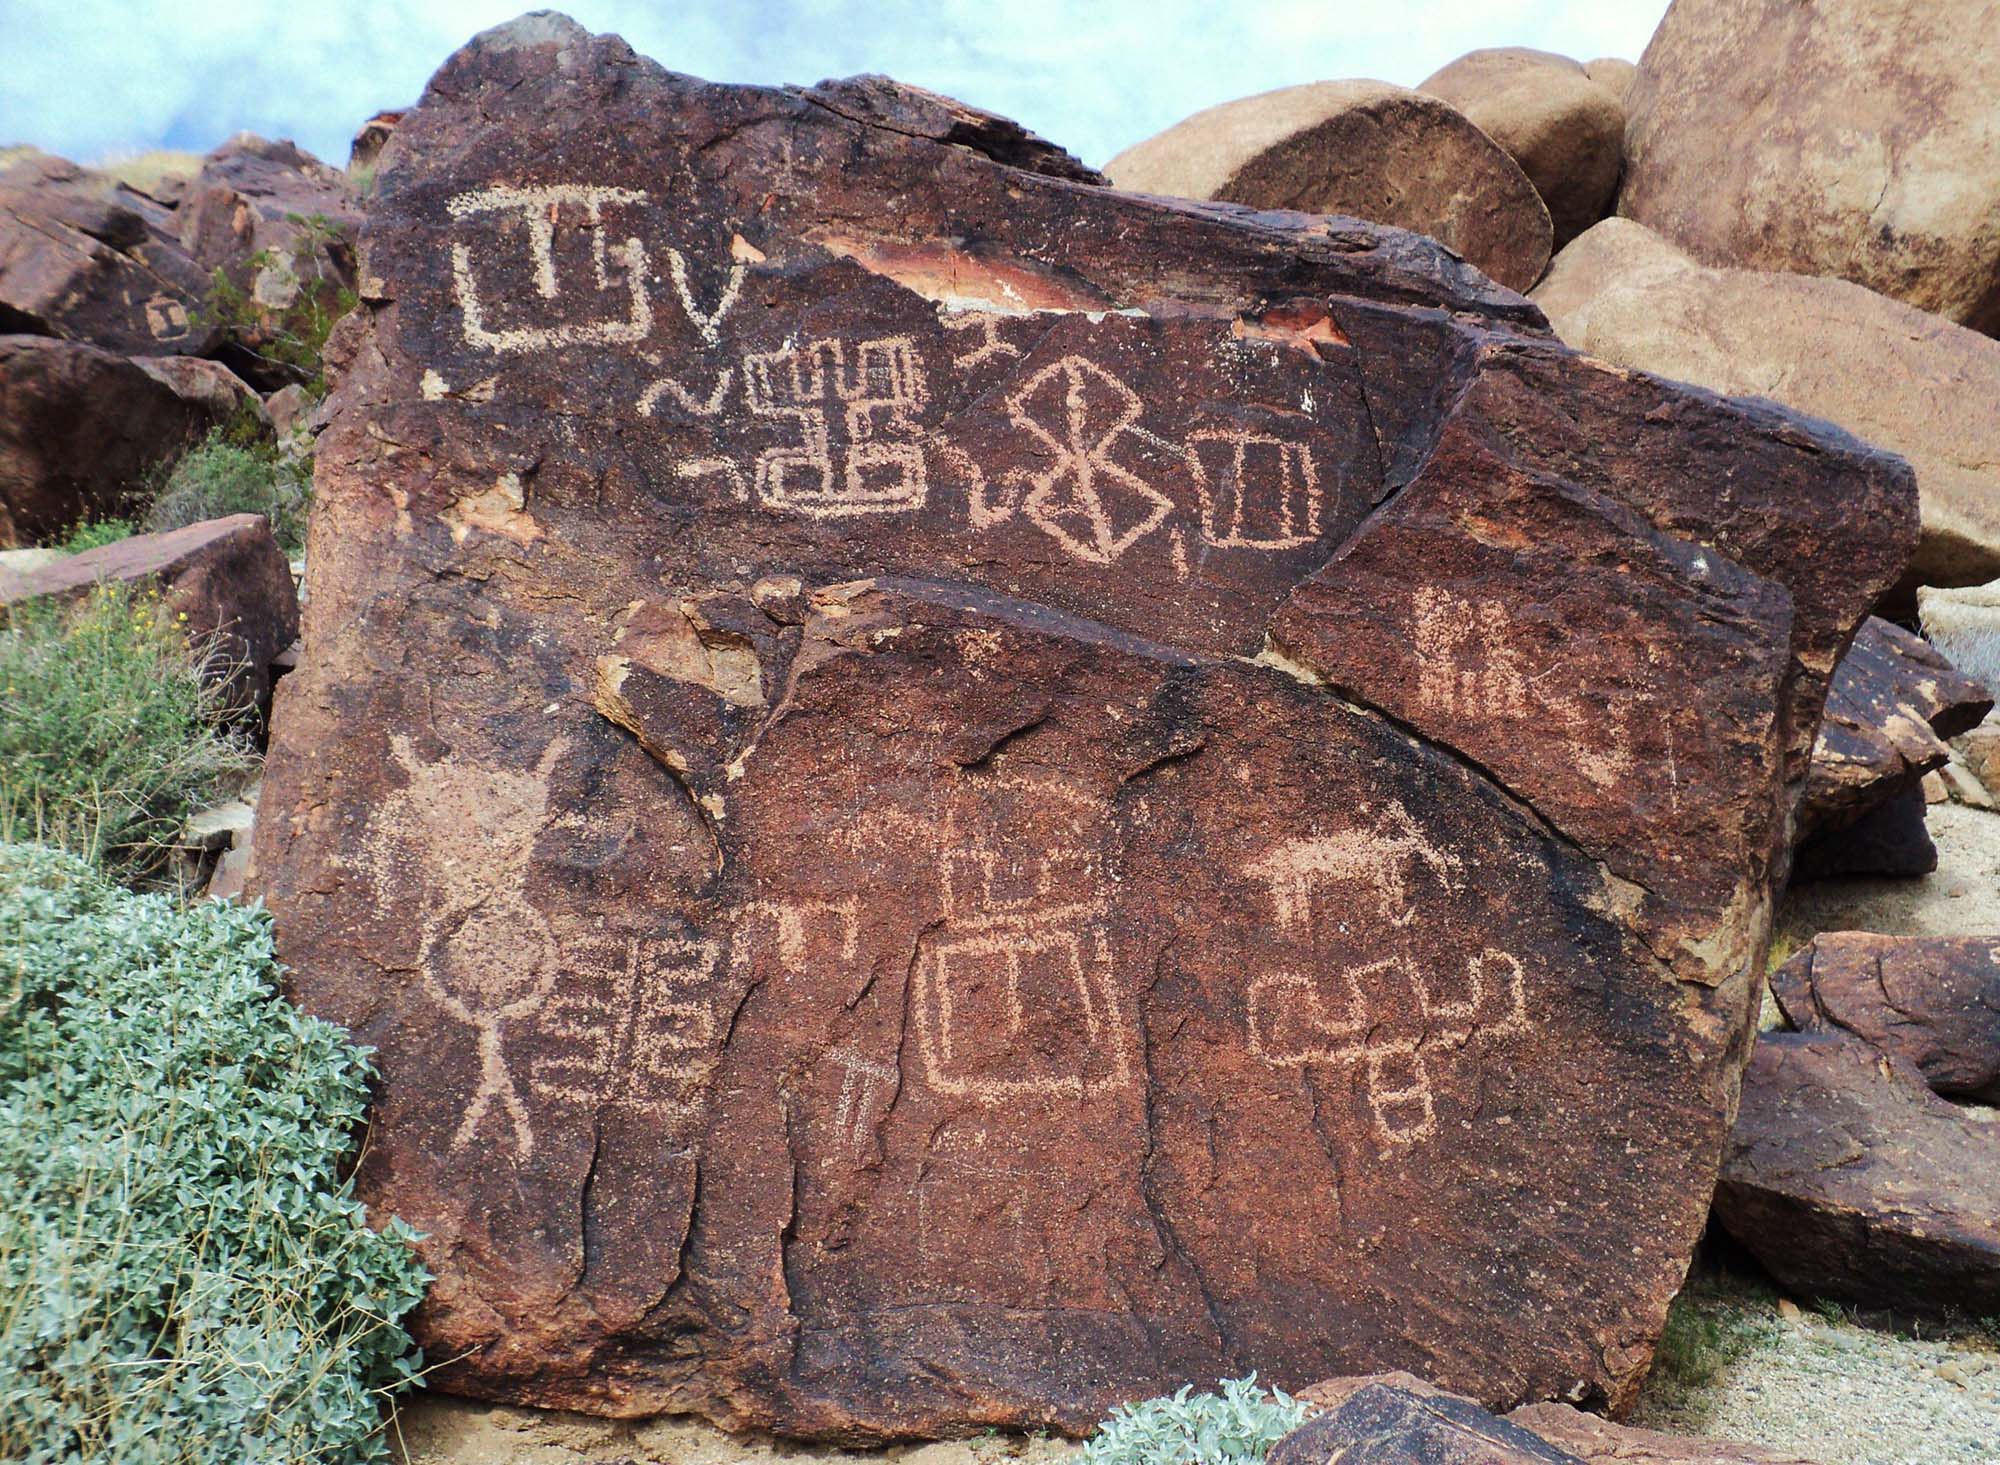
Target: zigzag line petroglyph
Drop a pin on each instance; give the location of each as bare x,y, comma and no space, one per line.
666,386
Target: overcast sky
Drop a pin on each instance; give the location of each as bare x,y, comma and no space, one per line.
87,78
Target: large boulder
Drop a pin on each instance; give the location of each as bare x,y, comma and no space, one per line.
85,258
1361,148
82,431
1894,703
225,581
1964,624
1566,131
1848,1179
952,796
1849,138
1885,371
1931,1001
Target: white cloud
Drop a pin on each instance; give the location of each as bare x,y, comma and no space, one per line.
89,77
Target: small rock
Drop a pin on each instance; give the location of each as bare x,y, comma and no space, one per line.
1931,1001
1849,1179
1789,1310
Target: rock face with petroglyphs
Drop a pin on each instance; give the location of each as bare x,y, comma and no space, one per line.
952,796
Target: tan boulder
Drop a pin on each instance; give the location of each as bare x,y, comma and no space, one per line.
1614,73
1362,148
1887,372
1566,131
1851,138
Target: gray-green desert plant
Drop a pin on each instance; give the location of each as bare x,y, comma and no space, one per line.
184,1273
222,475
1236,1427
111,735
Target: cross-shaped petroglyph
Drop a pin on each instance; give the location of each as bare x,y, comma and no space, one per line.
464,835
1088,502
987,325
877,465
538,212
1383,1014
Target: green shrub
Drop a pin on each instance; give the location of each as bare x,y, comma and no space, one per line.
1236,1427
111,736
184,1273
293,335
95,535
221,475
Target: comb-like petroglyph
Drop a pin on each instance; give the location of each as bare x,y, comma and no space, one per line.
951,796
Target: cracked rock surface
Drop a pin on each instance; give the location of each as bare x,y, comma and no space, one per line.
952,797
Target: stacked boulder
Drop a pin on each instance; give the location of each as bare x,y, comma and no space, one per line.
133,323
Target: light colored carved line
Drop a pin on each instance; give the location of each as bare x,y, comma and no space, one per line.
636,327
1297,486
709,323
798,383
988,325
1074,458
697,468
667,386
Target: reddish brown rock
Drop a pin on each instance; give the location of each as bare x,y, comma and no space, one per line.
81,430
85,258
225,582
1392,1419
1893,704
366,149
1850,138
1848,1179
1931,1001
220,392
1595,1440
279,225
1566,131
1360,148
859,755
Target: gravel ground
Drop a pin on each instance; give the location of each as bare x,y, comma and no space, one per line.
1829,1389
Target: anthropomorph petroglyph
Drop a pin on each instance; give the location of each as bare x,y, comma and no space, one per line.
464,835
1469,660
1382,1014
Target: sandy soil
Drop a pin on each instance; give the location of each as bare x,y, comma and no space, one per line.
1960,898
440,1431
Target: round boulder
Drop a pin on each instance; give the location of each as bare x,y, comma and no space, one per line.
1851,138
1566,131
1362,148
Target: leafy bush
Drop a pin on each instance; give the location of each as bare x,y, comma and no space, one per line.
291,335
111,736
1236,1427
95,535
184,1274
222,475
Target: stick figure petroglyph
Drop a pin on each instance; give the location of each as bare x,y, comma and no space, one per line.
464,835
